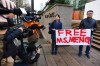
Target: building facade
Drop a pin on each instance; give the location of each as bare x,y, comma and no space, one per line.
78,4
90,0
49,15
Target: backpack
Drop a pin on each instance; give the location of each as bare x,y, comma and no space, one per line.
52,25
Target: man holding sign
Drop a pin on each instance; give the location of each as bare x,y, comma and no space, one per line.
88,23
56,24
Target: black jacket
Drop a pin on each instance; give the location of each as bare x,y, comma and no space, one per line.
88,24
9,48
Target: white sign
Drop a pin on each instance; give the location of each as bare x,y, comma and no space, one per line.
73,37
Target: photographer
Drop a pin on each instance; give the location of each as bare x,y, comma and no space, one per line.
10,50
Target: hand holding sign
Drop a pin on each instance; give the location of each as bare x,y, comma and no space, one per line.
54,29
92,29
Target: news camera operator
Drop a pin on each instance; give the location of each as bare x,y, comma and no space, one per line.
9,48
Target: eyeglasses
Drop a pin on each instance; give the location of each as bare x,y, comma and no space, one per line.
90,13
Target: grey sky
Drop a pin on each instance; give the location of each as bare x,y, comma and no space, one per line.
38,4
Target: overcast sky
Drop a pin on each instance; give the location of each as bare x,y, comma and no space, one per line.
37,4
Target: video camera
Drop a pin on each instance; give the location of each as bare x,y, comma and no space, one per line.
24,15
31,16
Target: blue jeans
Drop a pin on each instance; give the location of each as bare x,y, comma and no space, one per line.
87,48
54,46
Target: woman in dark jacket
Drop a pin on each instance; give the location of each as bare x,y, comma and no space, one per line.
55,25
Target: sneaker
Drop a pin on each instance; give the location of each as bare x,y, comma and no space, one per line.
88,56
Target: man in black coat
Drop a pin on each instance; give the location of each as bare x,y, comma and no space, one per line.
9,48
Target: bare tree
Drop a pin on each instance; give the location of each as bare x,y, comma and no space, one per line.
21,3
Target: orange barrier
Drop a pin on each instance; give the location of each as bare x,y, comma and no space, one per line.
77,15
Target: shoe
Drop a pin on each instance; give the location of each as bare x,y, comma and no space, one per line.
88,56
55,53
52,53
79,54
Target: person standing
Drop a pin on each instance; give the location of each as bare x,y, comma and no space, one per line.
87,23
55,25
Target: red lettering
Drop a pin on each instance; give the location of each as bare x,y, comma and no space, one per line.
76,39
65,40
87,40
83,32
76,32
68,32
60,32
81,39
59,40
72,39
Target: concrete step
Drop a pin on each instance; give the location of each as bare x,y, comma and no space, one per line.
98,31
75,27
96,37
96,46
98,26
96,34
96,41
75,23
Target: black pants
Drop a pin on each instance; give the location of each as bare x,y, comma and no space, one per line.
54,46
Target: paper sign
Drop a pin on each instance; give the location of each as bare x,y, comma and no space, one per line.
73,37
